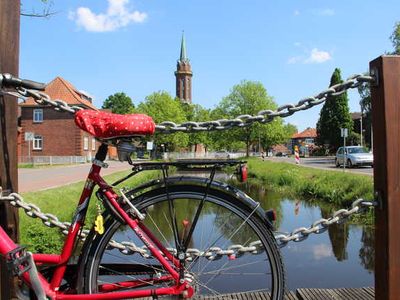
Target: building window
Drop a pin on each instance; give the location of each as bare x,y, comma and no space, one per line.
183,88
93,144
85,143
37,115
309,141
38,142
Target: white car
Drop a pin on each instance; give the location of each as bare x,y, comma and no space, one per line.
222,154
354,156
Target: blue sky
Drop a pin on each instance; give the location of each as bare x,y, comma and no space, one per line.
291,46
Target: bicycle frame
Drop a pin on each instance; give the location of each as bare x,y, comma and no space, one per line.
51,288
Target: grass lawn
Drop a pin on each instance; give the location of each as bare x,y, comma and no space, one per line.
310,183
62,202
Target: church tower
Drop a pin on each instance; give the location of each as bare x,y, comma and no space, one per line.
184,75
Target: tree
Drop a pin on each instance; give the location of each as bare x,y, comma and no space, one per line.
196,113
366,113
162,107
395,38
364,89
248,98
335,114
45,13
119,103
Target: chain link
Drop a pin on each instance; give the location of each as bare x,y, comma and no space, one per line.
321,225
263,116
213,253
33,211
42,98
266,116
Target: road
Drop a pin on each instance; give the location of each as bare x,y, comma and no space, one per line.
49,177
325,163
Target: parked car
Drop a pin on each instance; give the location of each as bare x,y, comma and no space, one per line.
281,154
354,156
222,154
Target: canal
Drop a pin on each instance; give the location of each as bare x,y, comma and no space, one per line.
342,256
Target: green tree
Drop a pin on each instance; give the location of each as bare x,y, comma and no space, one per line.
196,113
162,107
364,89
119,103
290,129
248,98
395,39
335,114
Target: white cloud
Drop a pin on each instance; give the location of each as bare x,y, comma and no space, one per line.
315,56
325,12
294,60
117,15
318,57
321,251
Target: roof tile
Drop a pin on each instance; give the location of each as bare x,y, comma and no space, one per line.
308,133
61,89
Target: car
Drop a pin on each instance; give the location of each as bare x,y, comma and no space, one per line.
222,154
354,156
281,154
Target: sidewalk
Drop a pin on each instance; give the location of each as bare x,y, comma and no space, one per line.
30,180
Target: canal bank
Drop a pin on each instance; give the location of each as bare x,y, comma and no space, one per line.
309,183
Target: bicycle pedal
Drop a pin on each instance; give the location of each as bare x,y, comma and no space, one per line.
17,261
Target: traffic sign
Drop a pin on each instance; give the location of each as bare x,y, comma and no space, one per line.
29,136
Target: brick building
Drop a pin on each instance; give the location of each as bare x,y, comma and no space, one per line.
55,132
183,75
305,140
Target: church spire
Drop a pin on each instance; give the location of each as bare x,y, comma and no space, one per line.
183,57
184,75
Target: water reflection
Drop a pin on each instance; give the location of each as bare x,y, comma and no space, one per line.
367,252
343,256
338,235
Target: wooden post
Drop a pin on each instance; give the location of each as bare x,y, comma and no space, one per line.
9,60
386,121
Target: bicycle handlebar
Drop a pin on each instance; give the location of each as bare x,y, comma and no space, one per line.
7,80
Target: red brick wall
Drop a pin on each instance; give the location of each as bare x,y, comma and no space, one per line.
61,137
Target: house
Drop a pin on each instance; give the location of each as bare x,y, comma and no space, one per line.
280,150
54,133
305,140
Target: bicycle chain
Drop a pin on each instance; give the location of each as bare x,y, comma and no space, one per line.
213,253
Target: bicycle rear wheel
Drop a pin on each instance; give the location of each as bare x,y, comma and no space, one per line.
252,266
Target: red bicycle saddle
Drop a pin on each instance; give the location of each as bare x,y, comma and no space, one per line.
108,125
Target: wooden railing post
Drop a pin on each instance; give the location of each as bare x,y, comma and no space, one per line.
9,59
386,123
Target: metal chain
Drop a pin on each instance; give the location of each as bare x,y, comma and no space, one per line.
34,211
213,253
42,98
263,116
266,116
320,226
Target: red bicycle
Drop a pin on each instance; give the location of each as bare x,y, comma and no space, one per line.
173,237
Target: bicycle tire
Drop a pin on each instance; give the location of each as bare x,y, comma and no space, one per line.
220,207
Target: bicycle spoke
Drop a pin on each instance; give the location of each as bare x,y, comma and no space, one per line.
219,225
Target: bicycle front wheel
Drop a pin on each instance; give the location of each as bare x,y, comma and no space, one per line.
231,250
